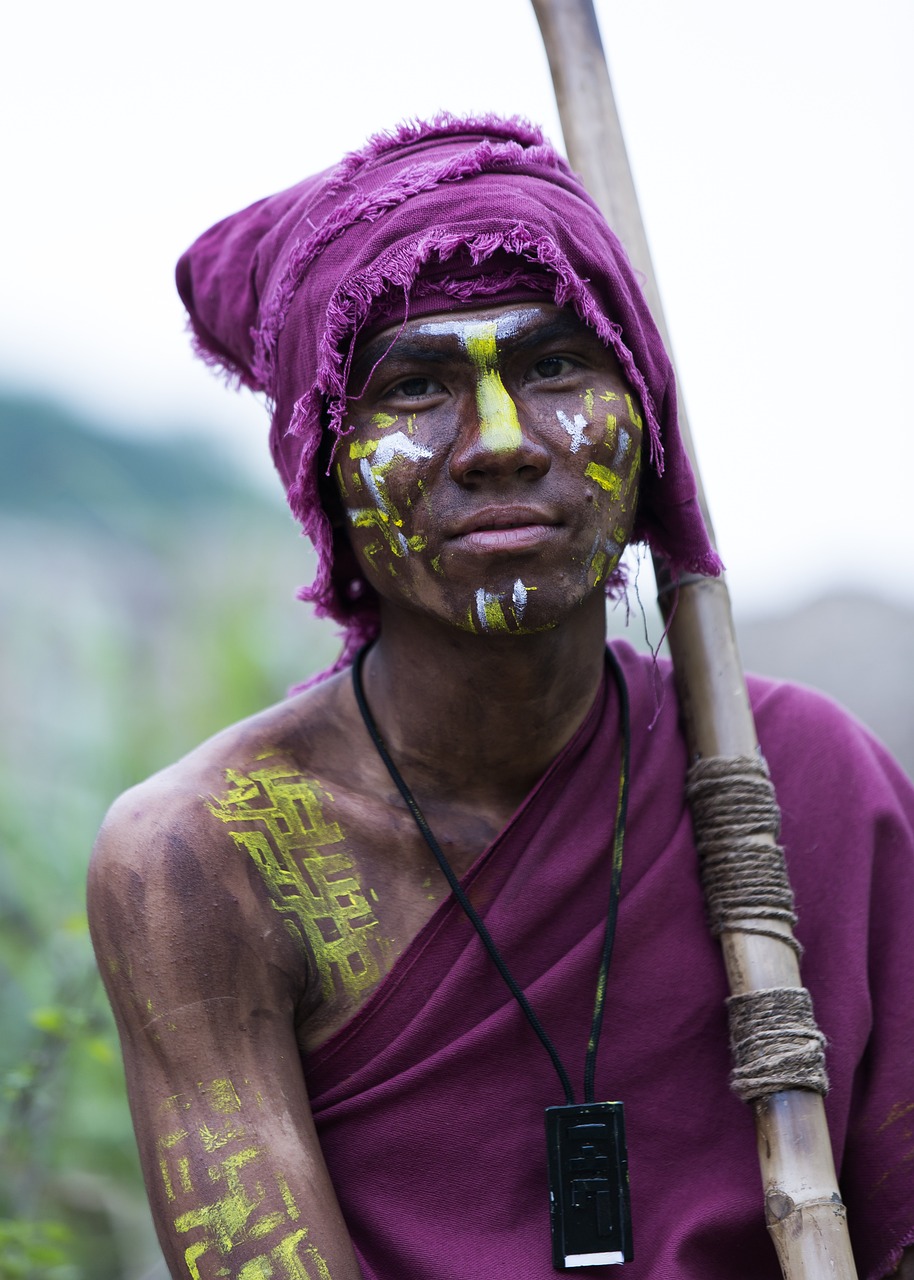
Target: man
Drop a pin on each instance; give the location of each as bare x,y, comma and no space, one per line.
329,1076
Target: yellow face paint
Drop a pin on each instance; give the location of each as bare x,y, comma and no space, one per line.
634,416
276,815
384,515
492,611
498,423
489,611
588,404
605,478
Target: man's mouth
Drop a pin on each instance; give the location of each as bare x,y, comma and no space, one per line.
506,529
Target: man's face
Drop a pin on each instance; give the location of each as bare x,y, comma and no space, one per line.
491,474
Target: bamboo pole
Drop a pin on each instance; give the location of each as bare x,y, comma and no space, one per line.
803,1208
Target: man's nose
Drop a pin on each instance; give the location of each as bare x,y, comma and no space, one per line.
493,442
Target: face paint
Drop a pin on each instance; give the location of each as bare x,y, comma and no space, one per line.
499,427
605,478
574,420
490,609
384,515
498,423
576,428
610,479
276,815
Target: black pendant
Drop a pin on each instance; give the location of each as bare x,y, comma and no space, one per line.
588,1185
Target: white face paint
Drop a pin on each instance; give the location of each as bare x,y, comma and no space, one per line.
467,330
489,611
490,608
373,470
622,446
398,445
576,428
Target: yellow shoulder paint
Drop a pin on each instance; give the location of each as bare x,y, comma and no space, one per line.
276,815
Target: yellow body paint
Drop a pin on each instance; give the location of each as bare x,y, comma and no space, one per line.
164,1146
276,815
588,404
384,420
255,1204
498,423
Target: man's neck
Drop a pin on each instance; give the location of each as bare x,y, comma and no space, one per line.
480,718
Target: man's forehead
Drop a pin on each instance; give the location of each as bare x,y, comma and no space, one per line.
501,322
464,328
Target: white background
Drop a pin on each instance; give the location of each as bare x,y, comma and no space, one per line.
772,150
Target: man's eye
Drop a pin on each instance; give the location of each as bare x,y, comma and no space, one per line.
552,366
416,388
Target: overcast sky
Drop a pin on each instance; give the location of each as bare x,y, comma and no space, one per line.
772,148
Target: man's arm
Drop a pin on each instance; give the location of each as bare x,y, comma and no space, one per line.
204,983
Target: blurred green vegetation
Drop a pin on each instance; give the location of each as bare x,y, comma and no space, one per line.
146,601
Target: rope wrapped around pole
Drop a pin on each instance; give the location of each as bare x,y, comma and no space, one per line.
778,1050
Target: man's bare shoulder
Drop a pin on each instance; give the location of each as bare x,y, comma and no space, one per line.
171,872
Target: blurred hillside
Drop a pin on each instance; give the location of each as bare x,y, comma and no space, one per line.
146,600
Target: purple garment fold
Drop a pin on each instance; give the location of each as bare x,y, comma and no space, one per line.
431,216
429,1103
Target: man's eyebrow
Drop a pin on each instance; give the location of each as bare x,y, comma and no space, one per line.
556,329
413,352
379,350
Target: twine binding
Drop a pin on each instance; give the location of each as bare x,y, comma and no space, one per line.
774,1039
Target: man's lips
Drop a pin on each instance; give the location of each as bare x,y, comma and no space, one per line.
505,529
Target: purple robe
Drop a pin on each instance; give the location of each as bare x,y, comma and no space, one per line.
429,1103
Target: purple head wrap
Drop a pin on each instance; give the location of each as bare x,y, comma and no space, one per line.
428,217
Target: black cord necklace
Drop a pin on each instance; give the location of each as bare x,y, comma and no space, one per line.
588,1163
